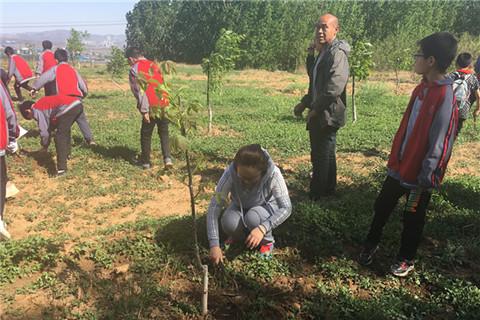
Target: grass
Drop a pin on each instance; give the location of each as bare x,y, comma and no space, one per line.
102,243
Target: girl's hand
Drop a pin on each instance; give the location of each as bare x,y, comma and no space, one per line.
216,255
254,238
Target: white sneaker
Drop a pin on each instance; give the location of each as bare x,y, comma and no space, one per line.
4,234
12,147
22,132
11,190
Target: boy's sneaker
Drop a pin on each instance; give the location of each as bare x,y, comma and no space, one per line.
168,163
366,256
4,234
61,173
402,268
266,250
91,142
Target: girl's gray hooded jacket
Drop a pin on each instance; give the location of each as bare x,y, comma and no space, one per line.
271,193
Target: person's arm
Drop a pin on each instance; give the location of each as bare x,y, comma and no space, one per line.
282,198
82,84
476,112
217,204
337,83
11,69
39,68
45,78
9,114
440,140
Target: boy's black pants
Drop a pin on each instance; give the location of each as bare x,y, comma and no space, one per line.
413,220
63,140
3,184
146,138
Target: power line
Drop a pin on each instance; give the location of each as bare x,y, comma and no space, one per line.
61,25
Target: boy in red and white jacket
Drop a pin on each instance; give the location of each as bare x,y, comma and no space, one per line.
46,60
18,68
68,82
55,113
4,234
420,152
145,70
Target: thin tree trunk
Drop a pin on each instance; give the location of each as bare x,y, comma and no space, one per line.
205,291
210,111
192,205
354,106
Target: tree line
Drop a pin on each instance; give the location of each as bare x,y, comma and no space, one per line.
276,33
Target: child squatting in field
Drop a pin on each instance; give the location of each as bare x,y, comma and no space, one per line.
55,114
259,202
420,152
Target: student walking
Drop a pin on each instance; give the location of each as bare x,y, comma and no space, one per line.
146,71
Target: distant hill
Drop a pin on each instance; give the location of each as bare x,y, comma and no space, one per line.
59,39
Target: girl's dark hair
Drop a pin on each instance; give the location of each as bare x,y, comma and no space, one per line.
47,44
251,156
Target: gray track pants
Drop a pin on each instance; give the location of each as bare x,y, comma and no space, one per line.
238,226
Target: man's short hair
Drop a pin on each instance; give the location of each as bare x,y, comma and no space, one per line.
47,44
464,59
61,55
133,52
9,51
25,109
442,46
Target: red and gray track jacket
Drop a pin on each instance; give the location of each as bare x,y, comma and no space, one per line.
3,131
147,71
423,144
46,60
68,81
10,115
19,68
48,109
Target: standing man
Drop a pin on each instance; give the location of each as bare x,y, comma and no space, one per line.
46,60
68,82
326,101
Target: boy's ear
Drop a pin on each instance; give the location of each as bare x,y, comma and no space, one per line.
431,61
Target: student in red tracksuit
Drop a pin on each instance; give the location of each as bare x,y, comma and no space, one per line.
143,69
18,68
55,113
420,152
46,60
4,234
68,82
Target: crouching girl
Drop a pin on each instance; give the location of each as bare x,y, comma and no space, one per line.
259,202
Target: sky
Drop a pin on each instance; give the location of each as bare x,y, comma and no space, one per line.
96,17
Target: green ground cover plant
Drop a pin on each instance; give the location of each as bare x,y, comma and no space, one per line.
104,242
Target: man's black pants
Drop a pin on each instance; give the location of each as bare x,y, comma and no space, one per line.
3,184
324,163
146,138
413,220
63,135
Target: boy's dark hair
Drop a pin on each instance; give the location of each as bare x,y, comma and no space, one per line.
464,59
133,52
47,44
25,107
251,155
442,46
61,55
9,51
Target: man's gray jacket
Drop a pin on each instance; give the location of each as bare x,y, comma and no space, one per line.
328,82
